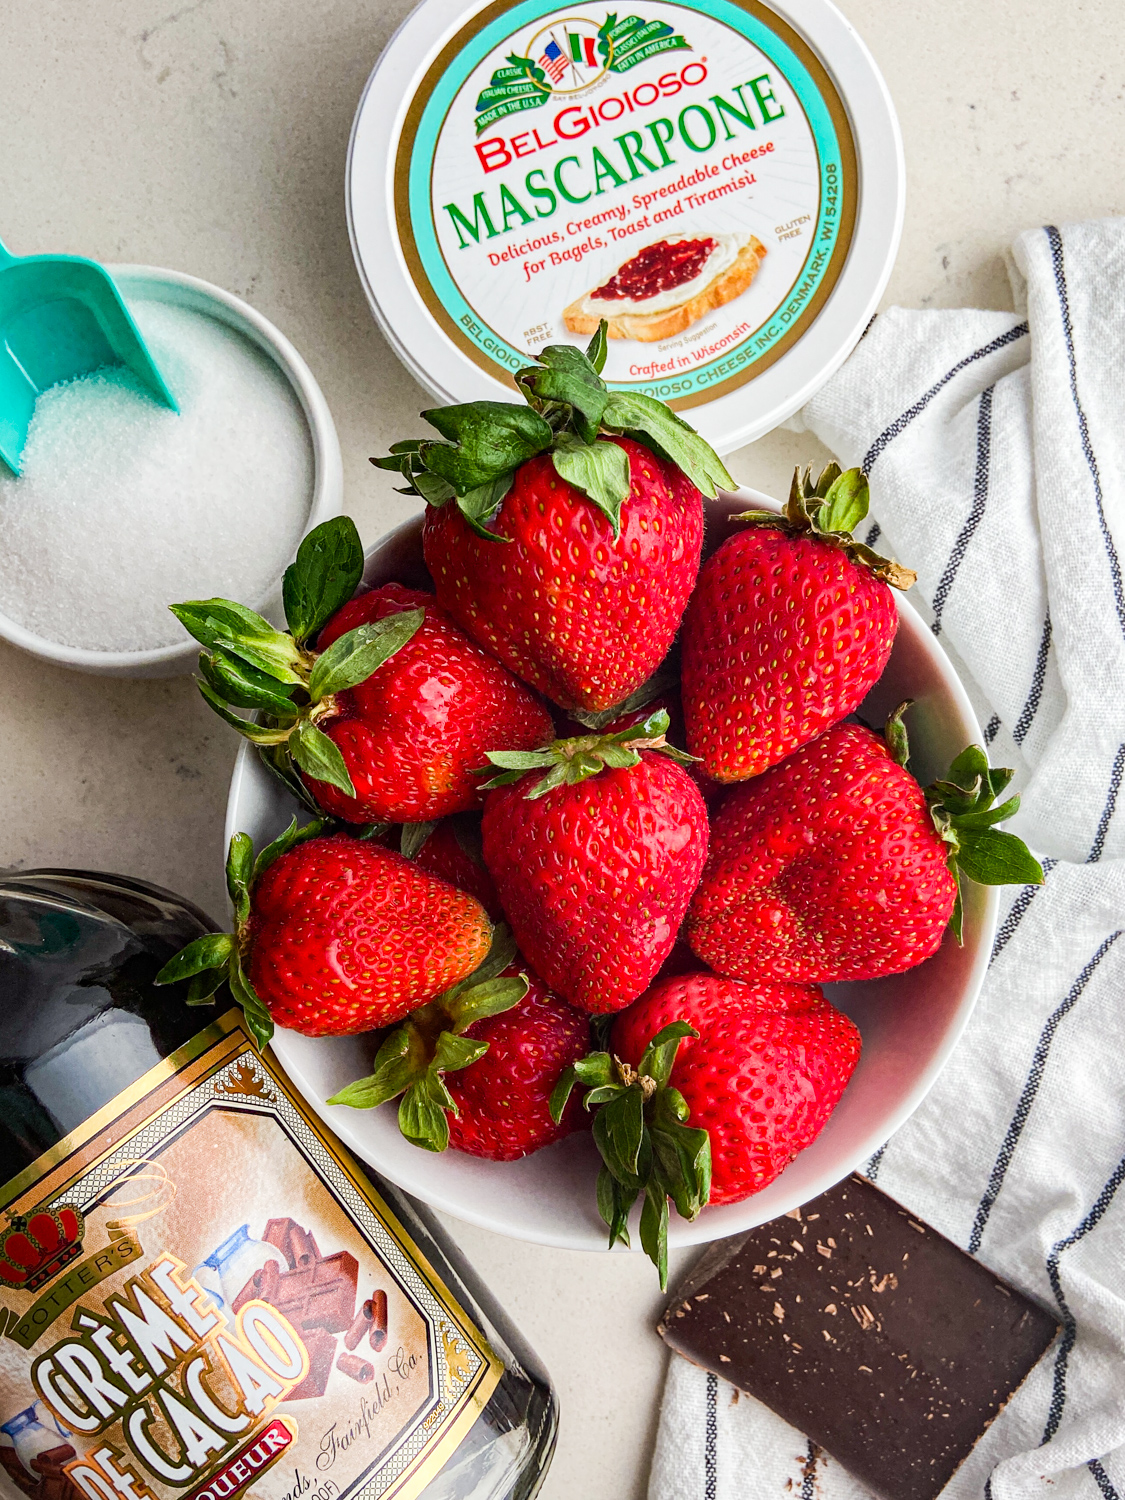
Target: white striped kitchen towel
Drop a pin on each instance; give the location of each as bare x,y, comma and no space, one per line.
995,444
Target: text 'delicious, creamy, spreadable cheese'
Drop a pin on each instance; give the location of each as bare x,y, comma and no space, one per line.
711,178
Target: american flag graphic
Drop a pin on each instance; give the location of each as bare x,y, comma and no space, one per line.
553,62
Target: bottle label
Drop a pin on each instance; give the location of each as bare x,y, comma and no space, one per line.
686,172
200,1293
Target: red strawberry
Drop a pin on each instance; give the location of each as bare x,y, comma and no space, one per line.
769,1066
836,865
582,615
503,1098
475,1068
681,960
413,733
334,936
347,936
790,626
452,851
596,862
565,548
389,718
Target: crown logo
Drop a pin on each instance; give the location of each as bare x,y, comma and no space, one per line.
37,1245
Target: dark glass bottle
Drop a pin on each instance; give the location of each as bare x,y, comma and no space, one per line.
80,1023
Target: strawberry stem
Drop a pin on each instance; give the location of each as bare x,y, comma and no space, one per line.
222,957
646,1145
894,732
413,1057
830,509
570,761
961,807
571,414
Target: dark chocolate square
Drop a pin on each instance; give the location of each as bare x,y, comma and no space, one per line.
867,1330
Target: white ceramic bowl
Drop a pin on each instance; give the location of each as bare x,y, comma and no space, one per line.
909,1023
327,497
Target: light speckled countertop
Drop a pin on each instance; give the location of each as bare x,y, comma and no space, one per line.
210,137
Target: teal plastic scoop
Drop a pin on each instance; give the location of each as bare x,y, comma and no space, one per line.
60,317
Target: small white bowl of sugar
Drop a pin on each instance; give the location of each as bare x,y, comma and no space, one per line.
124,506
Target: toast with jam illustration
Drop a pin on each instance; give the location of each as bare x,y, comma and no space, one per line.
668,285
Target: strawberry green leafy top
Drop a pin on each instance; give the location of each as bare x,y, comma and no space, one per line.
567,762
571,413
221,957
247,663
830,509
961,807
646,1144
413,1056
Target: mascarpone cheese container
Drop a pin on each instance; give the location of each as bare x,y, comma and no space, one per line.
722,181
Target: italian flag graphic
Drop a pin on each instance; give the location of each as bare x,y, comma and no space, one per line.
582,50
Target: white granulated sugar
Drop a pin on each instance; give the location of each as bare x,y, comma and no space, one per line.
125,507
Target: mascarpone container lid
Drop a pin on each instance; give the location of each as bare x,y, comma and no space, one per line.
723,180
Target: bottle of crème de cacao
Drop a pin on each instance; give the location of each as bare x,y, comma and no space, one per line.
201,1293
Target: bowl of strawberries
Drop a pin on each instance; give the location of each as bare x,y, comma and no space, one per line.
611,852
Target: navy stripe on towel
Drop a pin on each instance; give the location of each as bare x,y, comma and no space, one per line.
1055,240
992,729
1110,807
809,1487
1028,1093
873,535
1070,1325
871,1171
900,423
1016,915
1031,707
976,514
711,1440
1102,1480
